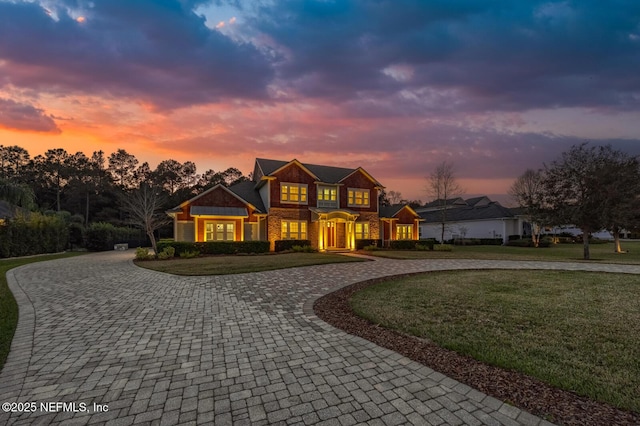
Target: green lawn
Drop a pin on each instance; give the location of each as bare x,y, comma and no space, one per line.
8,305
575,330
560,252
224,265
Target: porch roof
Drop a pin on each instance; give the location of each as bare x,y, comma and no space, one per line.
332,213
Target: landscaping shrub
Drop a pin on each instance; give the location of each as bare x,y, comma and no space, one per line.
189,254
491,241
362,243
402,244
282,245
142,253
216,247
464,242
424,247
513,237
443,247
371,248
303,249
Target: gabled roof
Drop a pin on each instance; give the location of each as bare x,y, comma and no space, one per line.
246,191
478,201
393,210
458,201
493,210
326,174
243,191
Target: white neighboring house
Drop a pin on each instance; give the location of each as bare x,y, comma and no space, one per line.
477,217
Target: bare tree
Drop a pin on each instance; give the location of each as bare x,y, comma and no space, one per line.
144,207
394,197
528,192
442,186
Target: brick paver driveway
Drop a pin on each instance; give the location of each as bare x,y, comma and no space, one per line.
239,349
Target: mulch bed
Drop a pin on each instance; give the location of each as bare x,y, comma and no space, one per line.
532,395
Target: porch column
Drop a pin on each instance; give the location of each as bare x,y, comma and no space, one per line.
321,233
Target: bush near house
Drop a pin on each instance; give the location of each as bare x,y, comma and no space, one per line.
364,242
33,234
402,244
215,247
282,245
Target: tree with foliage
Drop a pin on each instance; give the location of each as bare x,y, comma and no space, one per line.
528,192
18,194
228,177
53,172
620,186
122,167
590,187
13,162
442,186
145,209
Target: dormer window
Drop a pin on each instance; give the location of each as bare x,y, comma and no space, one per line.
293,193
327,196
358,197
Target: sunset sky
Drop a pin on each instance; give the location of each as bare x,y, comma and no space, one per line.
390,85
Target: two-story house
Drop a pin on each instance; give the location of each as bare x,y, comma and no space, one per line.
330,206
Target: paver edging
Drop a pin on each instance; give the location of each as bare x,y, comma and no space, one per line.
22,343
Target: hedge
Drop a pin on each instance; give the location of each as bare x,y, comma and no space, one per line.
216,247
32,234
282,245
403,244
365,242
101,236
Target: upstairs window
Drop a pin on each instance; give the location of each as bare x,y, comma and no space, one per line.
293,193
358,197
327,196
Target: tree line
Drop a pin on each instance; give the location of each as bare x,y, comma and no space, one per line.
590,187
93,187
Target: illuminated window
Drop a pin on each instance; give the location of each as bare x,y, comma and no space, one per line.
358,197
294,193
219,231
404,232
327,196
294,230
362,231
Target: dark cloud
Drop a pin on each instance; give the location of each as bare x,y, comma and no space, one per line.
156,51
374,58
19,116
499,55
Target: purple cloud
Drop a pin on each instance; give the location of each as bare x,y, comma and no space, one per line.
19,116
158,52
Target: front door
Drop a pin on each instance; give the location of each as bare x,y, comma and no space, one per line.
331,235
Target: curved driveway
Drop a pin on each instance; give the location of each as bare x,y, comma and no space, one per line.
236,349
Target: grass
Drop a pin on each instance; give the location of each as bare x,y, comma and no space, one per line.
8,305
558,252
224,265
577,331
